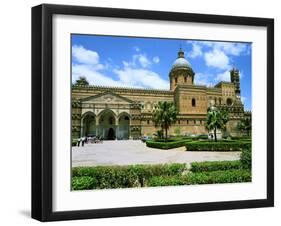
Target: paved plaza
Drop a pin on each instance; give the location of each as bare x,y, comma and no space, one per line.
128,152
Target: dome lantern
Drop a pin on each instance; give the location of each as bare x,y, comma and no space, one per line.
181,72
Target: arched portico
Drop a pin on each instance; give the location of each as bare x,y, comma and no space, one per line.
88,124
107,125
123,126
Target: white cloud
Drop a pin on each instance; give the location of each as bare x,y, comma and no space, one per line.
85,56
132,74
229,48
203,79
224,76
243,99
134,77
93,76
235,49
156,59
137,49
196,50
217,58
143,60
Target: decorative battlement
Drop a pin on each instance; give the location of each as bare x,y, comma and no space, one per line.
248,113
124,89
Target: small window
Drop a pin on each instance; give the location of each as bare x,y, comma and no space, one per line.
187,121
229,101
193,102
176,80
185,79
179,122
194,122
147,121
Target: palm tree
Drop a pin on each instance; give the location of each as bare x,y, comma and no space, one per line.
82,81
164,115
216,119
245,125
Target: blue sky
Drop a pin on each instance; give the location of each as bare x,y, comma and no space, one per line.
146,62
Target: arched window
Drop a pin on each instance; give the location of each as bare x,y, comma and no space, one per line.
185,79
193,102
176,80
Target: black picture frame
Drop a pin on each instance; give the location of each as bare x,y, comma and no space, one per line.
42,111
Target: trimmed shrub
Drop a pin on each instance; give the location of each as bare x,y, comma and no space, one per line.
166,145
217,146
246,158
74,142
201,137
82,183
214,177
215,166
125,176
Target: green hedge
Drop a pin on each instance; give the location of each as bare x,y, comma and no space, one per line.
166,145
215,166
83,183
217,146
74,142
214,177
122,176
246,158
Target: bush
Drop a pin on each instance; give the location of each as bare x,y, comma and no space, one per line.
161,144
215,177
246,158
82,183
74,142
125,176
217,146
201,137
215,166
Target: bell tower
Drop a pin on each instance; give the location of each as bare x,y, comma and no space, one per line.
181,72
235,79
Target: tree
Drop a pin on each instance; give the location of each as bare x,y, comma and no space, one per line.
164,115
178,131
82,81
216,119
245,125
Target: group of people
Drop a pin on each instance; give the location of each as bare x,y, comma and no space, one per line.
82,140
85,140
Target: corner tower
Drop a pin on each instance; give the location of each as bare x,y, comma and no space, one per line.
181,72
235,79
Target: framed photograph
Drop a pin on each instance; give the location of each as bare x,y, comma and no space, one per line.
145,112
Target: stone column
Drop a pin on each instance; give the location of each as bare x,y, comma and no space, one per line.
97,126
116,128
82,127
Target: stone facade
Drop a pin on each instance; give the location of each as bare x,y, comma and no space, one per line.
124,113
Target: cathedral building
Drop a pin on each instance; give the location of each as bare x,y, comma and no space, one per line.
126,113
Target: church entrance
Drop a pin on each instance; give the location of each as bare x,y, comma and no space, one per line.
110,135
107,125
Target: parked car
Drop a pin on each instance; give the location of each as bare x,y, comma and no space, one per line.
145,138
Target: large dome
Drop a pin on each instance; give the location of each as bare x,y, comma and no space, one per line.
181,62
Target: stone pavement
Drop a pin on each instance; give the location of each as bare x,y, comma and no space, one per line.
130,152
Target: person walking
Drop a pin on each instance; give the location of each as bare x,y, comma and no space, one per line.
78,142
83,141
